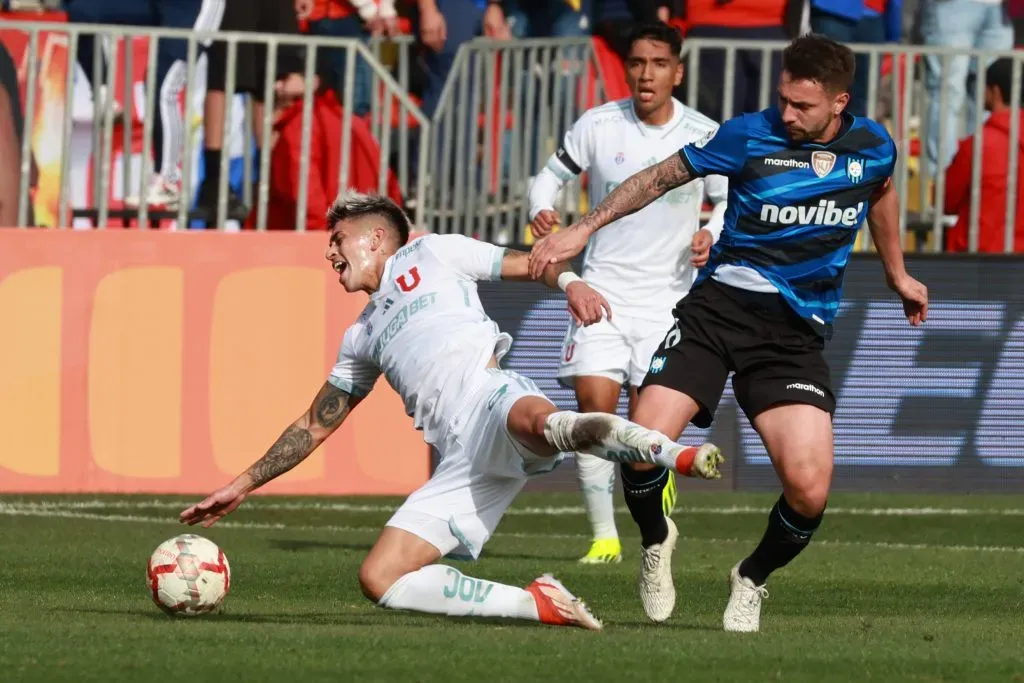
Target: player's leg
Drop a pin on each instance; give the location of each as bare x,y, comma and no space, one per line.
537,424
798,438
595,394
784,389
683,384
454,514
594,362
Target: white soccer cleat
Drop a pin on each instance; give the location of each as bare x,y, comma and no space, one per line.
706,462
657,591
743,613
558,607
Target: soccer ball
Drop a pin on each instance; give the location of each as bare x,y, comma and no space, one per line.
188,575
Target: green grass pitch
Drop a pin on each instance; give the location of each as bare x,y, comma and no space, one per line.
894,588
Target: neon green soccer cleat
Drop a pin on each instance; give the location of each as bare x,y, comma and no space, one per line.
669,494
604,551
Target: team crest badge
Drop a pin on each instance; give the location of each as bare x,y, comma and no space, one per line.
619,158
822,163
657,364
855,170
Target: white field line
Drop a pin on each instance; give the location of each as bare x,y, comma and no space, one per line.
256,503
9,510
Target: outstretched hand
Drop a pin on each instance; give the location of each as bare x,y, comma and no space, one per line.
555,248
215,506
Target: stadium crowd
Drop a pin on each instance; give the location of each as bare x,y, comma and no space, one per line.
441,26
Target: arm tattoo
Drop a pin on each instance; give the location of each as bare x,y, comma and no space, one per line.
289,450
638,191
332,406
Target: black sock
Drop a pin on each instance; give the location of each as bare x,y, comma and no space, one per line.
211,167
788,533
642,489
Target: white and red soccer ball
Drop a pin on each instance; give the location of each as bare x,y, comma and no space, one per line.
188,575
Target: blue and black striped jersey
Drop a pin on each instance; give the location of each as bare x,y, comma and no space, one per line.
794,209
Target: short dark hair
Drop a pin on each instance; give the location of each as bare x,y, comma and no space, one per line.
659,33
814,57
999,75
351,205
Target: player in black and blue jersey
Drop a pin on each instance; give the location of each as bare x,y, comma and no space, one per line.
803,176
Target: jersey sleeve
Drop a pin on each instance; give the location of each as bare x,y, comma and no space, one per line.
352,372
573,155
470,258
721,152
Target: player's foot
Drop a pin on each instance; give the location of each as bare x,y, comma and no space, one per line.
669,495
657,592
705,462
558,607
603,551
743,613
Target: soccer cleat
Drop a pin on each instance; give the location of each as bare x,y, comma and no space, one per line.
603,551
743,613
669,495
705,462
657,592
159,195
558,607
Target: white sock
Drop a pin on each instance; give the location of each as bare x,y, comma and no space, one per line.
440,589
609,437
597,481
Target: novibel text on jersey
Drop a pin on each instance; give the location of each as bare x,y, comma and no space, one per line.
825,213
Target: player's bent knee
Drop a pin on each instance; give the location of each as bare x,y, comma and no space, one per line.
374,581
808,500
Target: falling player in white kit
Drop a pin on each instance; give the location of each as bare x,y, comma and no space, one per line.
643,263
425,329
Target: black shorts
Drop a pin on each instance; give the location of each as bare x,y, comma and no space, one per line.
254,16
776,355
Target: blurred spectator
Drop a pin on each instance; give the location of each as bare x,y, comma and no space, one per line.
615,20
11,128
981,24
349,19
859,21
547,18
737,20
324,162
258,16
995,150
444,25
171,128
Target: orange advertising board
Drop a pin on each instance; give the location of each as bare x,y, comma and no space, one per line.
167,362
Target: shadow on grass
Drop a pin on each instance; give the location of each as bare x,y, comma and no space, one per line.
371,617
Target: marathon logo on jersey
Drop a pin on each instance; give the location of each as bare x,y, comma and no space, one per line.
706,139
786,163
823,163
825,213
855,170
806,387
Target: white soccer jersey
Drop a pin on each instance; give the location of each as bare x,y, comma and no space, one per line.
427,331
641,263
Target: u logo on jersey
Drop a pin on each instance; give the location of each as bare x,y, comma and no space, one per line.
409,285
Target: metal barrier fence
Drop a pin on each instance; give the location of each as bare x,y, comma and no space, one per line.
467,167
503,111
392,104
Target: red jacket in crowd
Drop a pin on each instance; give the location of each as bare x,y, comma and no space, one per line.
995,135
324,160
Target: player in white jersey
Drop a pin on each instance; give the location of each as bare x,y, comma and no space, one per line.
642,263
425,330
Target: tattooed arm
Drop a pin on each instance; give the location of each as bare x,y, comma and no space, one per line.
634,194
328,410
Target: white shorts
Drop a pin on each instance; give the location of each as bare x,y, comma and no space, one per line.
482,469
619,349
